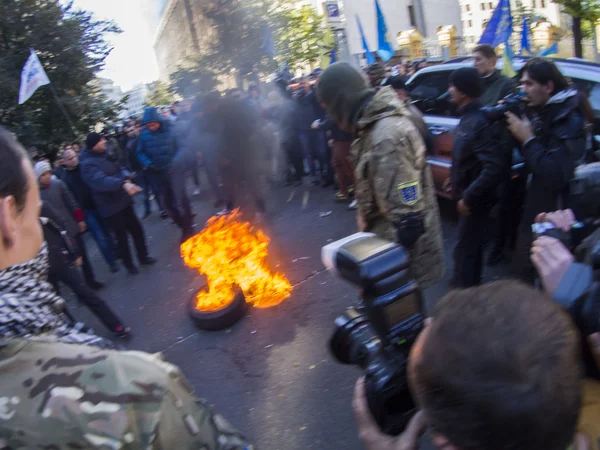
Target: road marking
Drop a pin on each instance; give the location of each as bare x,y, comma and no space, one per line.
305,199
291,197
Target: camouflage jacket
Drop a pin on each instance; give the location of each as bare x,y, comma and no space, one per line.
61,396
393,180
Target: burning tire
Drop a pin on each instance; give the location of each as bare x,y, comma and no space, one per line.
221,318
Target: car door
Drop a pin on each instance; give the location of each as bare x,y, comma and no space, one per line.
429,92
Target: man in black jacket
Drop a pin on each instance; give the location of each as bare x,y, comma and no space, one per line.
553,143
478,165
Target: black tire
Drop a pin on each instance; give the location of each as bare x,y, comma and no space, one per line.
221,319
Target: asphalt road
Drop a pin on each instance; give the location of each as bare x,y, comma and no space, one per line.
271,374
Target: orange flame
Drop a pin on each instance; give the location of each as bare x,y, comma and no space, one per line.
231,253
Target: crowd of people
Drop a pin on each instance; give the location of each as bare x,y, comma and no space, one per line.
509,376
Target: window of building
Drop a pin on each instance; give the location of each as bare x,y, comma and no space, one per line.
470,23
483,6
543,3
411,15
491,5
468,8
533,5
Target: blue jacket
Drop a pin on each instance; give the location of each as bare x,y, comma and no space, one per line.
105,179
156,148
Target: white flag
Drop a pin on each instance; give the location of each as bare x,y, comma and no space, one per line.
32,77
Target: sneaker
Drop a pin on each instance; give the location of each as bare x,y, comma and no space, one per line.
196,192
224,212
152,197
353,205
133,270
114,267
122,332
163,215
339,197
351,191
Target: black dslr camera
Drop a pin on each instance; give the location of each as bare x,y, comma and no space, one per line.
379,334
511,103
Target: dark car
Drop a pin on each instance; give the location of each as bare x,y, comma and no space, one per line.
428,89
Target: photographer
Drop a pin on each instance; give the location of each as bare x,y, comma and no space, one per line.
553,138
497,368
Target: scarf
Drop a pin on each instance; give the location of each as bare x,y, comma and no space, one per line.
29,306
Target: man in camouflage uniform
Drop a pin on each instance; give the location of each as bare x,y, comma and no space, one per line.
394,186
61,386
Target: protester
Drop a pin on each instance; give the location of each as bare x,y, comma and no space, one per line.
478,166
157,146
512,190
54,192
64,259
112,192
95,223
394,186
340,141
52,370
376,74
508,377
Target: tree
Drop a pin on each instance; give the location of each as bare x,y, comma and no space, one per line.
298,33
72,48
580,11
192,79
159,94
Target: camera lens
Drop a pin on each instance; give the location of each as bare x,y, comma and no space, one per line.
354,339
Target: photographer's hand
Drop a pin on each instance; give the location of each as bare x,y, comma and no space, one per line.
370,434
563,220
521,129
552,260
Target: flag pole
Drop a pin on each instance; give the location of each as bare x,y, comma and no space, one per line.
63,110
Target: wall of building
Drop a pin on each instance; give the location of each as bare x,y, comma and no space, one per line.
136,100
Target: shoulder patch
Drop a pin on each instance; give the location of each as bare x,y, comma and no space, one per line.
410,193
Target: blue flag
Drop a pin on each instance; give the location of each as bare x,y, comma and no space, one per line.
385,49
525,43
368,54
552,50
267,47
500,26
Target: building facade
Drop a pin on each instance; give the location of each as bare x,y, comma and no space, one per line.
475,15
426,16
136,99
108,88
182,34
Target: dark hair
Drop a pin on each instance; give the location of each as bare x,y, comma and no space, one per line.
500,369
13,179
544,71
486,50
397,82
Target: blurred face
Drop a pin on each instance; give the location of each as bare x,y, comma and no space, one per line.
45,178
68,147
536,94
484,65
254,94
100,147
153,126
457,97
76,148
402,94
71,159
20,230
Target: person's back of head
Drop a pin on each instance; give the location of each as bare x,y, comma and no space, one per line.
497,369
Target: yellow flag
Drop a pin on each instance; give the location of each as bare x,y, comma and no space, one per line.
508,70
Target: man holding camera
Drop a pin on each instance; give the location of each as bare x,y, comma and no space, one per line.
394,186
478,167
552,140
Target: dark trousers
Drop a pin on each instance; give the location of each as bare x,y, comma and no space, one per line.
181,199
468,252
341,162
210,164
293,151
313,149
125,222
168,199
99,229
88,272
68,274
510,212
150,187
194,170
